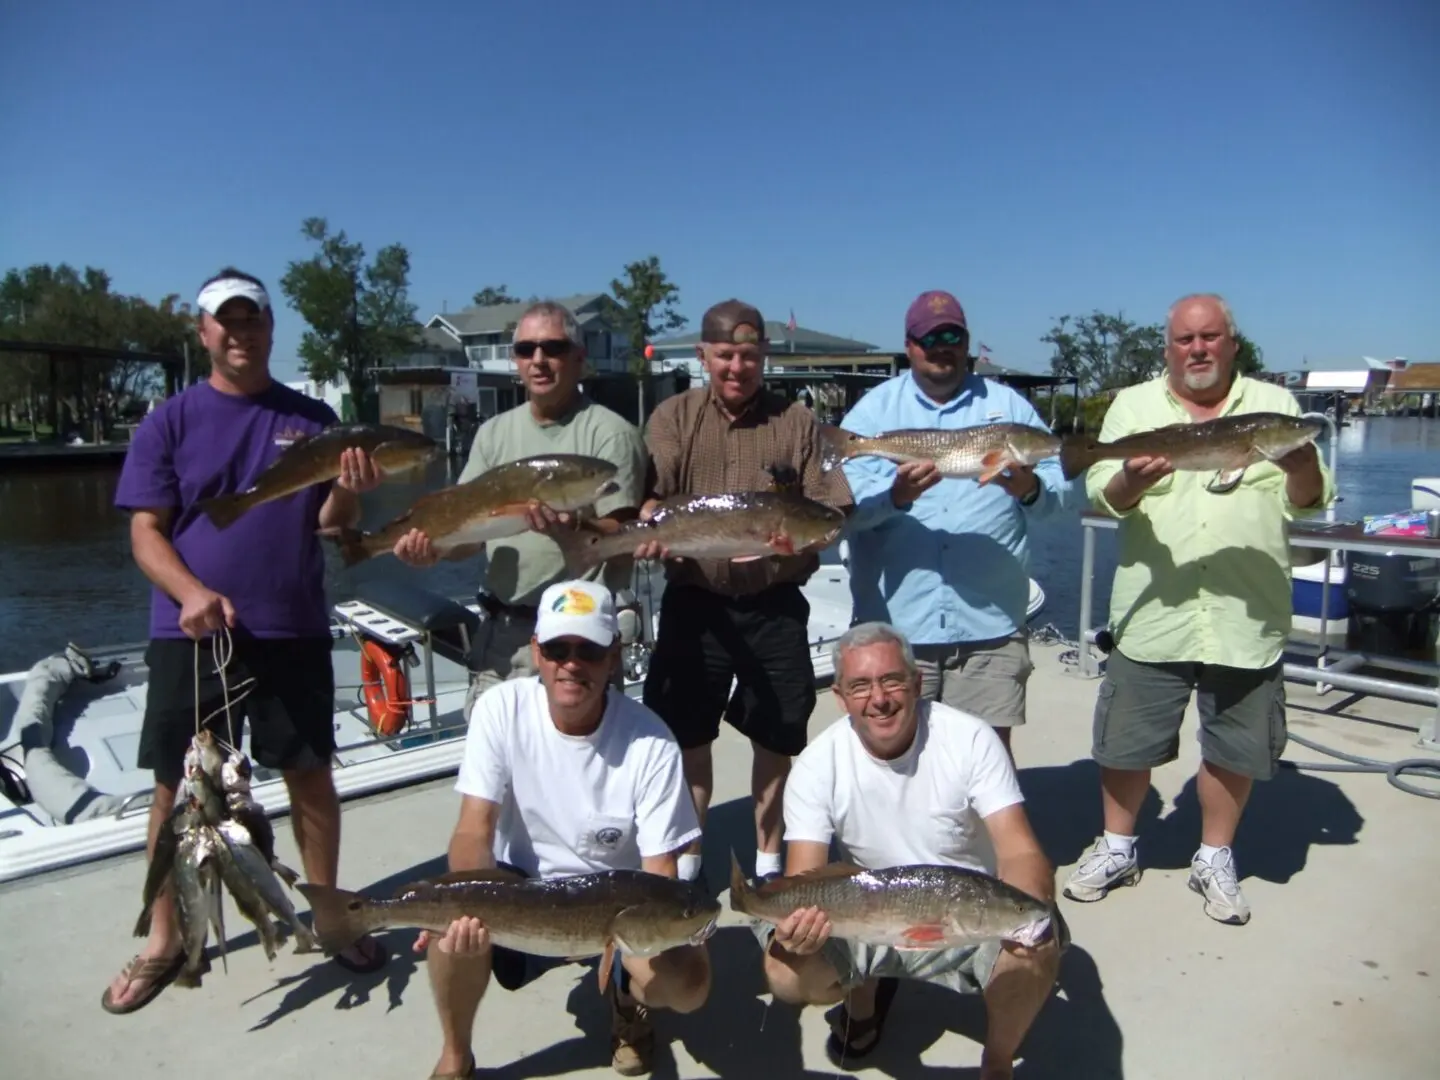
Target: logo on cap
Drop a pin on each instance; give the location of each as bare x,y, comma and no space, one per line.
939,303
574,602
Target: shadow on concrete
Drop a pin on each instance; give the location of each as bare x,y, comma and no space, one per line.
325,977
1075,1034
1284,818
1063,805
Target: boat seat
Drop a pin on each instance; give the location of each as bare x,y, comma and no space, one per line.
450,626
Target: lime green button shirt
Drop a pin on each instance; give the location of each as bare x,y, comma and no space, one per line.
1202,577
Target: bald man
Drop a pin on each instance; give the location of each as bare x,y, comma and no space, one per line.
1201,605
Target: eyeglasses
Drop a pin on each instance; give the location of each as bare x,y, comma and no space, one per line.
864,688
587,652
943,336
555,348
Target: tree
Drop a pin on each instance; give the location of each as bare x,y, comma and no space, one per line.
59,305
644,306
1249,358
359,316
494,296
1105,352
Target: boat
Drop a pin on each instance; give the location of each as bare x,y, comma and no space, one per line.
100,805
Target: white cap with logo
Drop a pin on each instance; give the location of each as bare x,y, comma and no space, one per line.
215,295
577,609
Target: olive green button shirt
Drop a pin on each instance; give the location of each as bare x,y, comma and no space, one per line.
1202,577
522,567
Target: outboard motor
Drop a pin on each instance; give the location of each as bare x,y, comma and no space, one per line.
1393,601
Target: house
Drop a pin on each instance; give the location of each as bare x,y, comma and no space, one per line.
462,373
484,333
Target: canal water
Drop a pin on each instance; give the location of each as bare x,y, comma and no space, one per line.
66,574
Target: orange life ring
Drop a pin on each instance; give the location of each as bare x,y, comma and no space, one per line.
386,687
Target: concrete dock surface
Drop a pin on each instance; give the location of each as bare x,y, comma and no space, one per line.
1336,975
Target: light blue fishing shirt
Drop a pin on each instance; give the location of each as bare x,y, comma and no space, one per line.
954,566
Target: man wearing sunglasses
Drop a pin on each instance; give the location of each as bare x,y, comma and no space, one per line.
740,622
943,560
549,354
564,775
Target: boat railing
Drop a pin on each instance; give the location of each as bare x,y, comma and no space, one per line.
1333,667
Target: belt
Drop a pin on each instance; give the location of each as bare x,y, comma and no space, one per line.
498,608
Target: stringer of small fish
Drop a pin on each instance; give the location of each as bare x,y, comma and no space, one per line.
202,846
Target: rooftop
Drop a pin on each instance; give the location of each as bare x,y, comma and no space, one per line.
781,337
1336,974
496,318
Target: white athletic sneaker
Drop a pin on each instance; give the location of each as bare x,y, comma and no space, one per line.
1216,881
1101,870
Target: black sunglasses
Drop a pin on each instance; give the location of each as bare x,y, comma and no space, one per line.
943,336
555,348
587,652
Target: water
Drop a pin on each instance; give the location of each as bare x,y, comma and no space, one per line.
66,573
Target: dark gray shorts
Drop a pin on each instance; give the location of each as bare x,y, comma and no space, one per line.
1140,706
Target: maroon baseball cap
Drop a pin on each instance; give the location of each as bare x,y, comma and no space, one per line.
932,309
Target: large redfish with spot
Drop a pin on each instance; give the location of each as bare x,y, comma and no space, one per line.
313,459
981,452
928,906
569,917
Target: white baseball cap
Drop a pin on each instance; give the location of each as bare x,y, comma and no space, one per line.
577,609
215,295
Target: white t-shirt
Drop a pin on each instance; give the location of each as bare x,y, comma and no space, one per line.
926,806
573,804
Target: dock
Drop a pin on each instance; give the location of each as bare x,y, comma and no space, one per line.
1336,975
50,453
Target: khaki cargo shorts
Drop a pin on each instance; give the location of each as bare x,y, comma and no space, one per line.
983,678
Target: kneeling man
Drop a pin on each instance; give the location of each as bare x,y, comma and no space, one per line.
907,781
565,775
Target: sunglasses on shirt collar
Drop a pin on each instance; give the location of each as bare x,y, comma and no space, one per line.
587,652
555,348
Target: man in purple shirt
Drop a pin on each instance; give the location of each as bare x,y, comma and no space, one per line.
261,580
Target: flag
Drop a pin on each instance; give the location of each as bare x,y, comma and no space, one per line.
790,326
983,348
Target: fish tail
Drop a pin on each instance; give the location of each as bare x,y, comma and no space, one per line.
1077,453
339,916
739,888
224,510
834,445
350,542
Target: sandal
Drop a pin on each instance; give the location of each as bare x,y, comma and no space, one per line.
464,1074
161,972
379,956
845,1033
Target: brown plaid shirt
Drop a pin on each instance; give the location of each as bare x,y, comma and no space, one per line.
696,450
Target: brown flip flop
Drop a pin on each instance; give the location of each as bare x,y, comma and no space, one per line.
161,973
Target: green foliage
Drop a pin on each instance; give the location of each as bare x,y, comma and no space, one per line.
59,305
1059,411
1249,358
359,315
493,296
644,307
1105,351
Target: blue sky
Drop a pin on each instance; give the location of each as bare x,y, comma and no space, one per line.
1036,158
